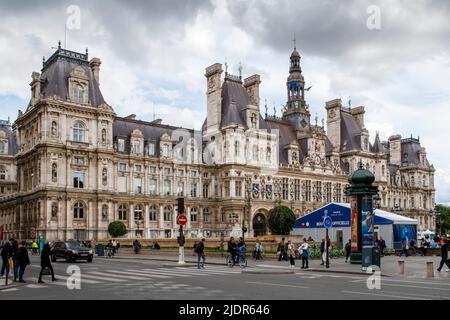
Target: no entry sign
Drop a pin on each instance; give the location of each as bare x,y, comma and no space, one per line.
182,219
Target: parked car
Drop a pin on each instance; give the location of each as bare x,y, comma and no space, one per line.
71,251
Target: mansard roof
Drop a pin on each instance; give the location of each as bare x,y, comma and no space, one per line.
286,136
377,146
350,133
410,151
12,141
56,72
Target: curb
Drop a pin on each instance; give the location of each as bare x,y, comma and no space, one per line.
342,272
272,271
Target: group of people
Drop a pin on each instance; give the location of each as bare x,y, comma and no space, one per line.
15,257
112,247
237,249
287,251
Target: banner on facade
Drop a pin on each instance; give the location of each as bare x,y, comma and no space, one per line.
354,221
367,221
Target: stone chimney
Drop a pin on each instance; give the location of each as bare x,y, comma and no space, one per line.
95,64
333,108
35,87
213,76
358,114
251,84
395,149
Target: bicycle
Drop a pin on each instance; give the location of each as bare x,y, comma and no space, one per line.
242,261
230,260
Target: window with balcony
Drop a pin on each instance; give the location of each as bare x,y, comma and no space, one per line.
193,190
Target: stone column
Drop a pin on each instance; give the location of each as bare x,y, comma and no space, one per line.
161,218
146,220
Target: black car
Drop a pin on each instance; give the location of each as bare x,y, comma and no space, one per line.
71,251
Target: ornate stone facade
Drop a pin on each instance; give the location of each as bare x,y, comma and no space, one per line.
72,165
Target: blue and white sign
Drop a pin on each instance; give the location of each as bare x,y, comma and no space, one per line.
327,222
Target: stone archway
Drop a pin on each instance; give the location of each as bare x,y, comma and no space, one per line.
259,224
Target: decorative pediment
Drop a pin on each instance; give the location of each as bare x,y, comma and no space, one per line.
79,73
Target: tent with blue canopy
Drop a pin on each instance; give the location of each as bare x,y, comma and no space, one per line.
391,227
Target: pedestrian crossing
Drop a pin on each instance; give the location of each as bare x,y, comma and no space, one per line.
162,278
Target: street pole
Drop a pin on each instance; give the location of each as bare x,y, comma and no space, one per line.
327,256
181,248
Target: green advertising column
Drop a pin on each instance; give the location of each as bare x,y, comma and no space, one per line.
360,188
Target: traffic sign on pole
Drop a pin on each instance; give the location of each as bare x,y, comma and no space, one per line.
182,220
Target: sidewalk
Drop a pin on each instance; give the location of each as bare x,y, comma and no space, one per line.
11,284
415,266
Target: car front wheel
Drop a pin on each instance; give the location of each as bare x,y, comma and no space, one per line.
68,258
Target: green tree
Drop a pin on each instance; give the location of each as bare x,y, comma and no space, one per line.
444,218
117,229
281,220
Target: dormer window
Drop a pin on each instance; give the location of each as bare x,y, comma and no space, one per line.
136,149
151,149
120,145
2,173
78,94
253,120
79,132
165,151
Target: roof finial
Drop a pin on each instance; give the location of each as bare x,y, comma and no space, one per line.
226,66
43,60
295,42
349,101
240,70
316,118
323,123
59,44
87,53
265,100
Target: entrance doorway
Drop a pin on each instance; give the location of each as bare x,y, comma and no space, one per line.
259,225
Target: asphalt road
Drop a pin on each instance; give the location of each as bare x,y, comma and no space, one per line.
134,279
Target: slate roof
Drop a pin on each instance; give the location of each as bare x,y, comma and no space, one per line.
350,133
286,136
377,146
410,151
12,141
56,71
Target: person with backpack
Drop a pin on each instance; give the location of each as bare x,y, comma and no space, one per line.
200,251
348,250
45,263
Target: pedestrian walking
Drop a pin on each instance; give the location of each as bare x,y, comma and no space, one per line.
322,251
45,263
258,250
114,246
281,250
6,254
348,249
444,256
15,259
136,246
200,251
34,248
304,253
291,253
404,247
23,260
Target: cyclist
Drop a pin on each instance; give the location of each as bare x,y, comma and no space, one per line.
232,249
242,249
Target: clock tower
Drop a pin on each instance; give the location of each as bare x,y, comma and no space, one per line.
296,110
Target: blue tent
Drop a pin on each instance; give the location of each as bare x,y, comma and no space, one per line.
340,215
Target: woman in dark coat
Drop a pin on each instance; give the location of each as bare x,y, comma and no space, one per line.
45,262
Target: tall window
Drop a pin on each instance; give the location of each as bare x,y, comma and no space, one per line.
297,190
194,214
180,189
122,167
79,94
383,169
308,190
268,154
123,212
328,192
255,153
253,120
338,193
103,136
205,190
2,147
152,213
78,180
238,189
166,187
136,149
285,186
121,145
167,213
227,188
79,132
193,190
206,215
138,213
152,187
236,148
78,211
165,151
138,185
2,173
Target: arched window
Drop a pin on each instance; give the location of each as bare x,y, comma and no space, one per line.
79,132
2,173
253,120
194,214
123,212
152,213
78,93
206,215
54,172
167,213
138,213
78,210
2,147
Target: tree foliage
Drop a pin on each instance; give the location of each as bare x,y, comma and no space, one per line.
444,218
281,220
117,229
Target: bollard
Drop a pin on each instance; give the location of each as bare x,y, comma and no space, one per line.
401,266
430,269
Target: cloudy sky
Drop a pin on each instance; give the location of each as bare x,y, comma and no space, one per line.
154,54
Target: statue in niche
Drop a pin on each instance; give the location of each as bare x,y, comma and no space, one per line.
104,136
54,129
105,176
54,211
54,172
